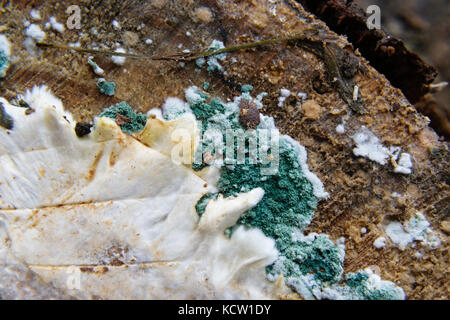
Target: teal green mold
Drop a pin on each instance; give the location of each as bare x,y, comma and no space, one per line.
355,280
206,85
4,64
204,110
283,214
106,87
136,121
288,204
362,288
200,62
200,207
320,257
212,61
246,88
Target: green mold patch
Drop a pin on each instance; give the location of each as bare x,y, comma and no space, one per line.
106,87
288,201
4,64
367,286
125,116
312,265
246,88
213,61
288,204
320,257
5,51
200,207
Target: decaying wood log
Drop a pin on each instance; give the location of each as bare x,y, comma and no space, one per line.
363,194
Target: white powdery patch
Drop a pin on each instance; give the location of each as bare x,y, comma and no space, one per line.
174,107
415,229
192,95
119,60
319,190
340,128
116,25
148,41
380,242
5,45
35,15
76,44
59,27
30,46
368,145
302,96
404,164
213,61
35,32
284,93
373,283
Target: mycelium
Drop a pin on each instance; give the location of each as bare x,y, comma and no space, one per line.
115,210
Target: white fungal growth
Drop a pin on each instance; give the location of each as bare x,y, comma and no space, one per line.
405,164
35,15
119,60
116,25
5,45
35,32
59,27
302,96
284,93
318,188
380,242
340,128
213,61
369,146
416,229
148,41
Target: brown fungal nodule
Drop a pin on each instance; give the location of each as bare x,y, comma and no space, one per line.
82,129
249,114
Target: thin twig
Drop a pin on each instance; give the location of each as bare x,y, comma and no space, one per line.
182,56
